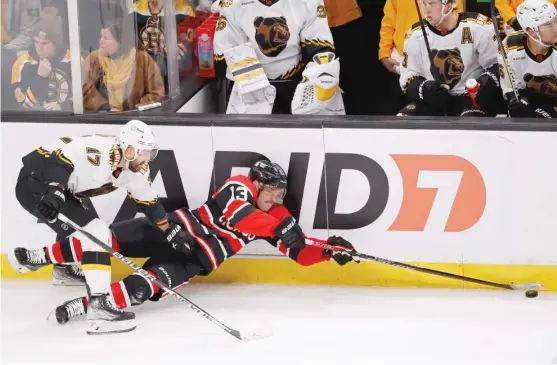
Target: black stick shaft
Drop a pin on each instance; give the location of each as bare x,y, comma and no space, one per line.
422,25
150,277
502,50
412,267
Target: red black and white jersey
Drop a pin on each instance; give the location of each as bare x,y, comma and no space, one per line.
229,220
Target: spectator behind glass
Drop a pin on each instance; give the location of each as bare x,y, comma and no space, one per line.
41,76
149,18
19,17
399,17
119,77
507,9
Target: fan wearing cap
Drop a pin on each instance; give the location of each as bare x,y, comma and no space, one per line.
532,57
463,46
118,76
41,76
244,209
54,178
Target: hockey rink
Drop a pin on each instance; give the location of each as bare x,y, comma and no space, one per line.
311,325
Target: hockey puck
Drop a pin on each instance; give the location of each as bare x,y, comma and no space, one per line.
531,293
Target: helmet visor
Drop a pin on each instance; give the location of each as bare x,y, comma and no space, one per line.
148,154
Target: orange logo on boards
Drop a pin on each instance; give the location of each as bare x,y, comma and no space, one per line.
417,202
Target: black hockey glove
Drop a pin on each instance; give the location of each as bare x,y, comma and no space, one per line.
489,87
545,111
180,240
290,233
51,202
520,108
429,91
341,257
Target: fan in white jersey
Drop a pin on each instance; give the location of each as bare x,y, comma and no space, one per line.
532,57
280,55
463,46
54,178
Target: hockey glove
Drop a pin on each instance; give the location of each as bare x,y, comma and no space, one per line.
489,86
520,108
290,233
430,92
180,240
342,257
51,202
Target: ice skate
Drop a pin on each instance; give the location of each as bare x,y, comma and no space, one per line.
69,309
104,317
24,260
68,275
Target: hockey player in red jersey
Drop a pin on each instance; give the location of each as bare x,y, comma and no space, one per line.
244,209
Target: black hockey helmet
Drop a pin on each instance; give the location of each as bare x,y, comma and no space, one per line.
268,173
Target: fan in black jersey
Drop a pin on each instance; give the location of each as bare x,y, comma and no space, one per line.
244,209
532,56
463,46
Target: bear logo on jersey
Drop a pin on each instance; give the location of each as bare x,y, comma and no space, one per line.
543,85
447,66
271,34
221,24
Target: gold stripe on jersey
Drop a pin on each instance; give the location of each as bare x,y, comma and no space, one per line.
243,63
59,154
43,153
144,202
250,75
293,71
218,57
318,43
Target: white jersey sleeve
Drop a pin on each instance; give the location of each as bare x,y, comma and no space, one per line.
228,34
412,64
485,42
315,35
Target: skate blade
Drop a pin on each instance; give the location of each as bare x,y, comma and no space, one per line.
100,327
61,282
12,260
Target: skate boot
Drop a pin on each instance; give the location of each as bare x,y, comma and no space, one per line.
104,317
67,275
24,260
70,309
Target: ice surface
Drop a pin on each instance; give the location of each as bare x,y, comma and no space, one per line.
312,325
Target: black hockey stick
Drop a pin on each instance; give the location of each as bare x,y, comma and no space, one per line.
502,50
524,286
422,25
146,275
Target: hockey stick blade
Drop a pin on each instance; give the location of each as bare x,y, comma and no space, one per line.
146,275
426,270
526,286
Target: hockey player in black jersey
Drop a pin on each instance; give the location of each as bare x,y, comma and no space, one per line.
463,46
244,209
532,57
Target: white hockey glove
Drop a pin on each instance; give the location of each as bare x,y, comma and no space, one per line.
252,93
255,102
318,93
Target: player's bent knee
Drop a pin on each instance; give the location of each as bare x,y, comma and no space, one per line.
139,289
100,230
173,274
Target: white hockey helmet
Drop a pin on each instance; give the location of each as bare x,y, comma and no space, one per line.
443,14
533,13
139,136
